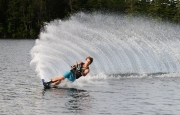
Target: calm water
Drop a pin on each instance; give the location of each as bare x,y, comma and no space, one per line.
21,91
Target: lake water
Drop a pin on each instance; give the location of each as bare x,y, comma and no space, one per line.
22,93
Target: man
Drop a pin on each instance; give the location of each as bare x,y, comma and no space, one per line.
77,70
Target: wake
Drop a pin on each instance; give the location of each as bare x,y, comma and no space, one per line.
119,45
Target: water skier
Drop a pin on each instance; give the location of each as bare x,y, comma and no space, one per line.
77,70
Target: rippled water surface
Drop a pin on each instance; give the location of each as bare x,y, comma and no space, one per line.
21,91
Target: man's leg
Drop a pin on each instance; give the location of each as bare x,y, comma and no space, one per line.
57,80
54,81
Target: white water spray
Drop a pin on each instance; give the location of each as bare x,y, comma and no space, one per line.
119,45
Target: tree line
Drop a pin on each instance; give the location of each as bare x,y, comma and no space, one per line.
25,18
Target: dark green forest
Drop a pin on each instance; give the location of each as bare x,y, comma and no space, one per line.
25,18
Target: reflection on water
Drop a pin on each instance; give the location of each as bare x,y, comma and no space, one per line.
76,100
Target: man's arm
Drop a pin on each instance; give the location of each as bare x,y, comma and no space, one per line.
85,72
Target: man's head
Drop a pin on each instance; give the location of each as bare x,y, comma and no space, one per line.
89,59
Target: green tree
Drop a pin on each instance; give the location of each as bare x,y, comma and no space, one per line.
177,15
12,17
24,18
131,7
3,9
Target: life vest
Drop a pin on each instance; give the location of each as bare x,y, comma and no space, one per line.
76,70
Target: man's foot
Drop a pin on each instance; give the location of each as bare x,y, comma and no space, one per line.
47,85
